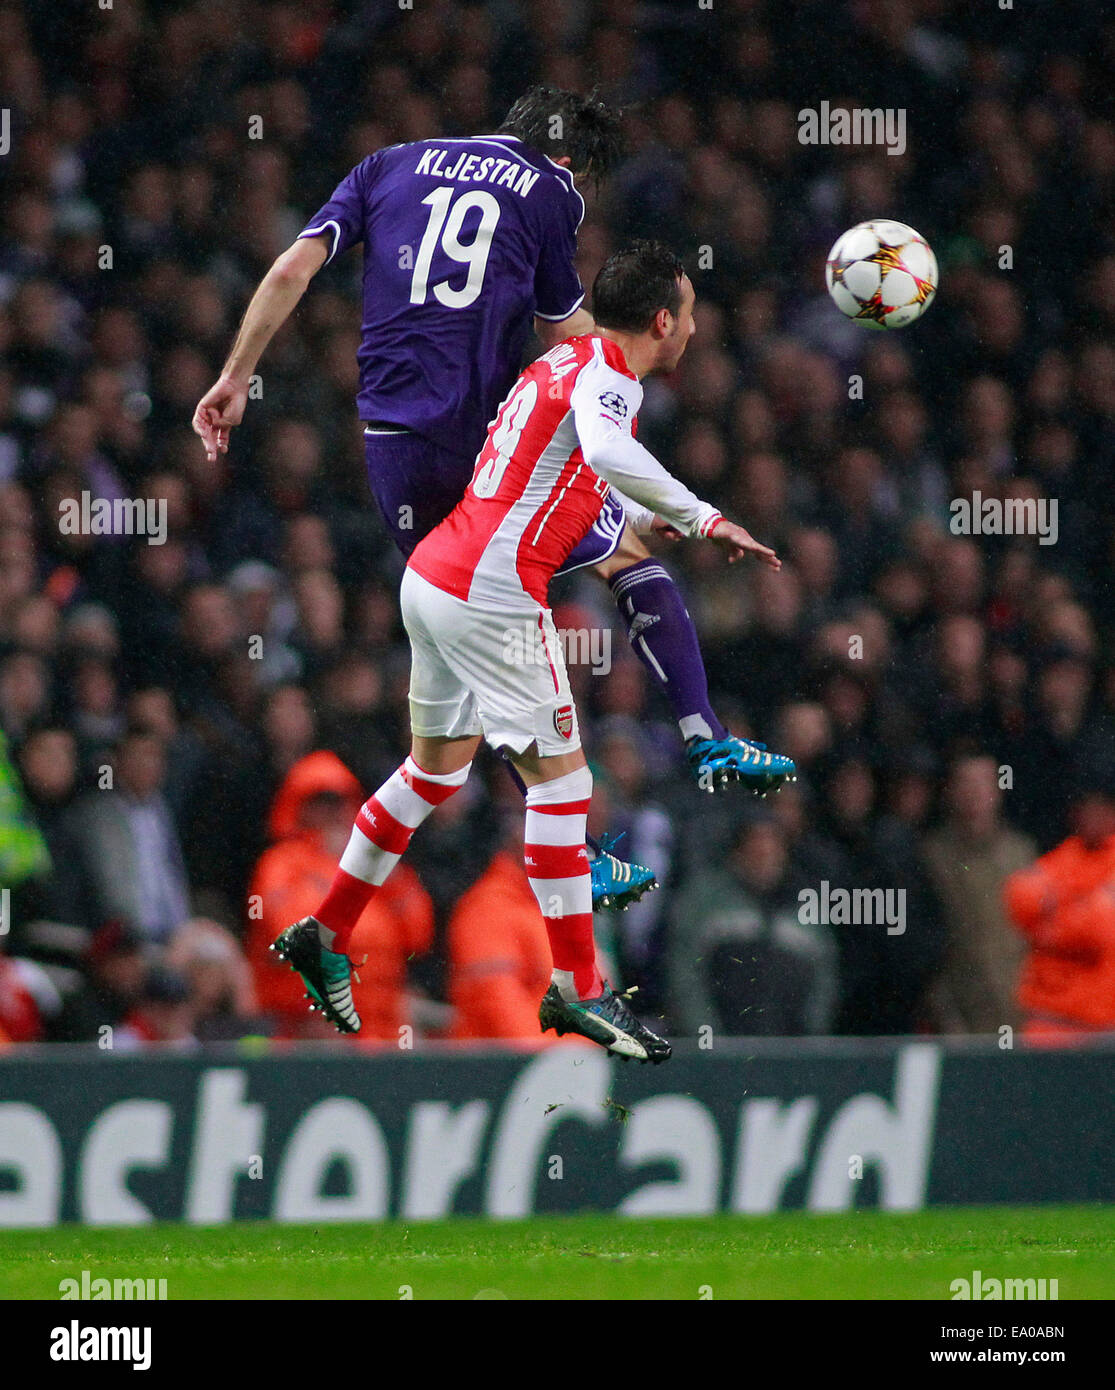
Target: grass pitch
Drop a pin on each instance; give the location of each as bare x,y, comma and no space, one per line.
859,1255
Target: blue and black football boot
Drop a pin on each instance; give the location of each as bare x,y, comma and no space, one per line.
717,762
326,974
605,1020
616,884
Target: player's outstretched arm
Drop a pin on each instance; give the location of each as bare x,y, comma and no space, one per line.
279,291
604,405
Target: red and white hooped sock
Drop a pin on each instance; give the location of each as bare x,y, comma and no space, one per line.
380,836
557,866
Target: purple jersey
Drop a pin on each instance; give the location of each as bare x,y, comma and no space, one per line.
464,241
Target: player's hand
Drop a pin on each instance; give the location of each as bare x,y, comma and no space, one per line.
217,412
661,527
738,542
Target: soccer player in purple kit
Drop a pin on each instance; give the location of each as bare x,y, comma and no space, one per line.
467,242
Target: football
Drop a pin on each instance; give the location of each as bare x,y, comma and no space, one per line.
882,274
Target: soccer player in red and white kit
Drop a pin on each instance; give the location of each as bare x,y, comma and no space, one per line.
561,441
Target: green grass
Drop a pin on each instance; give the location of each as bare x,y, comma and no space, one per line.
865,1254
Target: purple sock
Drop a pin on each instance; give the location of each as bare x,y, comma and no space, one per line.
665,641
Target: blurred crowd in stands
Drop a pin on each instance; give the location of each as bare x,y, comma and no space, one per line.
189,726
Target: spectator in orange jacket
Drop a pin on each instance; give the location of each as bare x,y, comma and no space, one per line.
1064,904
499,954
310,822
498,950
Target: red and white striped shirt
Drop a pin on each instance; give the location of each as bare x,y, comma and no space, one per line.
564,432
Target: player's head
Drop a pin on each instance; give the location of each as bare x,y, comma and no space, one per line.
643,291
580,130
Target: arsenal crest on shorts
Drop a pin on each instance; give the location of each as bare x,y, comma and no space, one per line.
563,721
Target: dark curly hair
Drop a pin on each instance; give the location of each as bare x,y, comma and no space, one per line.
559,122
634,284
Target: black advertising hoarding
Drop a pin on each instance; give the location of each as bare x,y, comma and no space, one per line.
317,1135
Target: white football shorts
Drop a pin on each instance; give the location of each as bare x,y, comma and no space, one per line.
485,671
